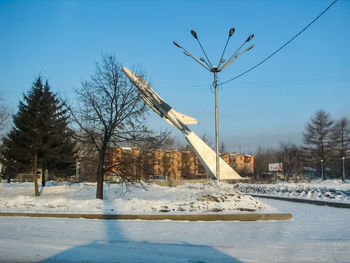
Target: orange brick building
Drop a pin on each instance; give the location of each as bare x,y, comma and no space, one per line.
243,164
169,164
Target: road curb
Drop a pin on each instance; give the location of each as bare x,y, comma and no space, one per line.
197,217
299,200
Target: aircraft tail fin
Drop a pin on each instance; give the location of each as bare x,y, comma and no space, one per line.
185,119
208,158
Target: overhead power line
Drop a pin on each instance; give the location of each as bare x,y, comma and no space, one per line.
285,44
268,83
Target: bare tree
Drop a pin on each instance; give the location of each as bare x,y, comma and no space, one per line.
222,148
318,139
291,157
205,139
341,137
109,114
4,116
264,156
168,142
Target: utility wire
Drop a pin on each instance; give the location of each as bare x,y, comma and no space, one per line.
285,44
256,84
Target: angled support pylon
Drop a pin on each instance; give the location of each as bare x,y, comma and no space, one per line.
205,154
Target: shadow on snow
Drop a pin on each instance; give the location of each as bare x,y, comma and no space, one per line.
115,246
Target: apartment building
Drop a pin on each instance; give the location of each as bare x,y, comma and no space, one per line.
243,164
169,164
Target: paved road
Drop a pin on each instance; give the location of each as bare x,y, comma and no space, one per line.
316,234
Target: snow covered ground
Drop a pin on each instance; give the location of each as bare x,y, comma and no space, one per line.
316,234
328,190
152,199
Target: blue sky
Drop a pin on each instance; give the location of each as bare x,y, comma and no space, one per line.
62,40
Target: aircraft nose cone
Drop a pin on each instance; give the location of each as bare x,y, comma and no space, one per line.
130,74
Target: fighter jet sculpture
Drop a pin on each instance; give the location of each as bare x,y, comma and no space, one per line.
205,154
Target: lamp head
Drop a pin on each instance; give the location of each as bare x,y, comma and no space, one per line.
194,34
250,38
249,48
230,33
177,44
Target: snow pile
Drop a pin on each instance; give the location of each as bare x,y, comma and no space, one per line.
151,199
329,190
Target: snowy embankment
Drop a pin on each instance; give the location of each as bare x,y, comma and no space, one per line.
328,190
151,199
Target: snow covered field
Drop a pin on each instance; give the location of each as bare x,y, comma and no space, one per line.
329,190
316,234
153,199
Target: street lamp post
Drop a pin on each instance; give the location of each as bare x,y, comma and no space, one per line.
343,170
322,172
215,69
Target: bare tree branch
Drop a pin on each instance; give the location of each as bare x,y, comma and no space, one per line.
110,115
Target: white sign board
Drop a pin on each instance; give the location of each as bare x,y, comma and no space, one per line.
275,167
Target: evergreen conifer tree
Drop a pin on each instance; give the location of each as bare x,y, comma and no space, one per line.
318,139
40,137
